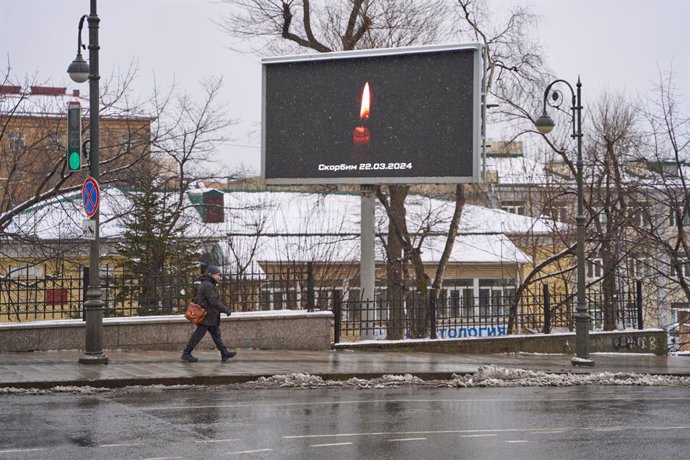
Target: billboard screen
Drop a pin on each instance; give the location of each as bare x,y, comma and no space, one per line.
404,115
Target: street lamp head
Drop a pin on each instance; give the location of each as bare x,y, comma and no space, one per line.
544,123
79,69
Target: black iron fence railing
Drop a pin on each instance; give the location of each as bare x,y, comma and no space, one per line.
474,317
24,296
457,312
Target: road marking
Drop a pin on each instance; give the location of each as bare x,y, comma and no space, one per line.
667,428
202,441
476,435
516,441
392,433
332,444
250,451
162,458
406,439
12,451
122,445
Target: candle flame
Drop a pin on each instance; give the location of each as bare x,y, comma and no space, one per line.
364,111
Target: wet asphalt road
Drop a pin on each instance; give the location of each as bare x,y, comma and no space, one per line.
623,422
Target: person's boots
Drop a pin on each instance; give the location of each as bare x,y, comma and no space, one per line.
187,356
227,354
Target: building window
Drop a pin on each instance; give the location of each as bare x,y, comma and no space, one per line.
558,213
673,215
322,299
17,141
514,207
595,268
639,268
640,215
31,271
684,268
601,216
495,296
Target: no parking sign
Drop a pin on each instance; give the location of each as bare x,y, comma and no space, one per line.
90,196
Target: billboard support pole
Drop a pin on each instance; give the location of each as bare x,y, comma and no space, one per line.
367,270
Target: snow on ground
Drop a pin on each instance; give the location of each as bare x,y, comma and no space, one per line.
486,376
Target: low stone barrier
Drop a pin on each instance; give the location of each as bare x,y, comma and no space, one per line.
300,330
276,330
626,341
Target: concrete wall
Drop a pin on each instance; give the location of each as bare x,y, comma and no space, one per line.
632,341
299,330
284,330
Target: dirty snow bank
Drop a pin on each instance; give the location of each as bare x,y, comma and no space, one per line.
486,376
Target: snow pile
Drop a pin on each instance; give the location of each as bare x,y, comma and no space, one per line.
490,376
495,376
298,380
386,381
87,390
307,381
486,376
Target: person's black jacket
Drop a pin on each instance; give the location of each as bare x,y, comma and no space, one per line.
207,297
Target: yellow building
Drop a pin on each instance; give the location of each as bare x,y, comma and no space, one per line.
33,143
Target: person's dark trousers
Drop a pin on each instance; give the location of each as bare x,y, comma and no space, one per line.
200,333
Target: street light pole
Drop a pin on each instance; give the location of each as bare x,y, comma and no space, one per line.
545,125
93,307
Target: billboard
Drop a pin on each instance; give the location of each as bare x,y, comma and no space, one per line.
402,115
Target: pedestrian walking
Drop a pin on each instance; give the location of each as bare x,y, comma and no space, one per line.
207,297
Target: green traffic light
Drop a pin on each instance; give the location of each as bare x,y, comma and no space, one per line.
74,136
74,161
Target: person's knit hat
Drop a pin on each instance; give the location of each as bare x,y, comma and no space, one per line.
212,270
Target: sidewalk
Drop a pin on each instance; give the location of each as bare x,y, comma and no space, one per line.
61,368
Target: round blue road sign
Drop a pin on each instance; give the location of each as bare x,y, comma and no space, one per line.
90,196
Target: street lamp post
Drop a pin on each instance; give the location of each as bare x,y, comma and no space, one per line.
79,70
545,125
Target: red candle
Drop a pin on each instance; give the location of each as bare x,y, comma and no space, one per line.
361,135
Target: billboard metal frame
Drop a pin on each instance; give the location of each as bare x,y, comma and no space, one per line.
479,70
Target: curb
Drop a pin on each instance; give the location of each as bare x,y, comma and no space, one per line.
212,380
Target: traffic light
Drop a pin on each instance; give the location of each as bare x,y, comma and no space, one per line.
74,161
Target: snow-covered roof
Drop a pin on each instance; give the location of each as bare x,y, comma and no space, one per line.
290,226
295,212
40,101
496,248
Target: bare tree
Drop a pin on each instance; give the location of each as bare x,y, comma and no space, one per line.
668,189
359,24
288,240
170,136
184,132
33,147
614,136
339,25
349,25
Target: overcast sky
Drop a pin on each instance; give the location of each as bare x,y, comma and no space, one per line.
619,45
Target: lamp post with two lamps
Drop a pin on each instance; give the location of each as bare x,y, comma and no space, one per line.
545,125
79,71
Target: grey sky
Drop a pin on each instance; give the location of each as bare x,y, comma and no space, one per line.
618,45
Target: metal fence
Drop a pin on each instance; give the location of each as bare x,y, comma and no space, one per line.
458,312
27,297
475,316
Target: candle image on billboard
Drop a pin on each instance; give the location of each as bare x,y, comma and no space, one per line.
379,116
361,135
